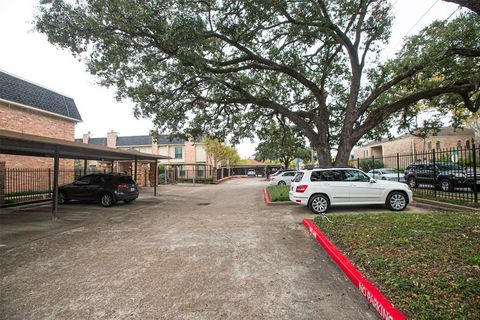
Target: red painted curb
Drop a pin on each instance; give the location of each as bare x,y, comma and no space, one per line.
267,196
385,308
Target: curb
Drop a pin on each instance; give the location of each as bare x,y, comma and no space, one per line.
442,205
228,178
384,308
267,196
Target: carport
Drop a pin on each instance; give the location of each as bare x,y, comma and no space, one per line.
16,143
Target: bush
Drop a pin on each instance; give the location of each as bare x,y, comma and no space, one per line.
369,164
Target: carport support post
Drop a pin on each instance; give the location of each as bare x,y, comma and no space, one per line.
55,183
135,171
85,167
111,166
155,179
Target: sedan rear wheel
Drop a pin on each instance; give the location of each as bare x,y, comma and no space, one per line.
319,203
106,200
281,183
397,201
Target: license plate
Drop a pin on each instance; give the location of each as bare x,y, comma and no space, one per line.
132,189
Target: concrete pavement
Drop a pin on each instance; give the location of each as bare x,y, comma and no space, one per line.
194,252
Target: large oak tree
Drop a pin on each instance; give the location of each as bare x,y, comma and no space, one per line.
227,66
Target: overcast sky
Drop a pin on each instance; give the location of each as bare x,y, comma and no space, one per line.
29,55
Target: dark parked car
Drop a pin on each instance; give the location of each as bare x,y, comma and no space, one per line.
443,175
105,188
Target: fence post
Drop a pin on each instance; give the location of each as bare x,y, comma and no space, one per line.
49,179
475,187
358,163
398,167
434,173
373,165
3,181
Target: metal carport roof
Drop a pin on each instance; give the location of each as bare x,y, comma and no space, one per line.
31,145
16,143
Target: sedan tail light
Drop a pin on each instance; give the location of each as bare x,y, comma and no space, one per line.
121,185
301,188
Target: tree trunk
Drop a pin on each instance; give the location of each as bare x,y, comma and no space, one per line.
323,156
286,162
343,155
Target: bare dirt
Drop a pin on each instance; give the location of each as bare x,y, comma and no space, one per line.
194,252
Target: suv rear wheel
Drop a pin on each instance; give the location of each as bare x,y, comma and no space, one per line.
412,182
446,185
319,203
281,183
62,198
106,200
396,201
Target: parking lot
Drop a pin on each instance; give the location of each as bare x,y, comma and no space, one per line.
204,251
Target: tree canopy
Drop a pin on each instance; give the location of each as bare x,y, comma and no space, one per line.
281,143
219,151
226,66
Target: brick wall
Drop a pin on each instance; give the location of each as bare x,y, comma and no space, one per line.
24,120
413,144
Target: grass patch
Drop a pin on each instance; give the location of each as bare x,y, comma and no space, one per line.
27,193
426,264
278,193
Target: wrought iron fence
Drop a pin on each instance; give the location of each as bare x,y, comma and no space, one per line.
32,184
447,173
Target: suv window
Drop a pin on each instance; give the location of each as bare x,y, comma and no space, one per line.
327,175
298,177
354,175
86,179
289,174
125,179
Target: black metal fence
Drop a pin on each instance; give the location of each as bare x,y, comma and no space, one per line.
32,184
447,173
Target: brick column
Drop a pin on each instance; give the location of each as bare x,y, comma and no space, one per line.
2,182
151,176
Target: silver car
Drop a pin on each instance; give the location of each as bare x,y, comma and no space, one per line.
386,174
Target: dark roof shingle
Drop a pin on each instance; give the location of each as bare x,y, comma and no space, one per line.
134,141
21,91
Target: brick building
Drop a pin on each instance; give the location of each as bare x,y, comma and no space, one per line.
446,138
187,156
30,108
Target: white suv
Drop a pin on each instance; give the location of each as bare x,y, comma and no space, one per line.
321,188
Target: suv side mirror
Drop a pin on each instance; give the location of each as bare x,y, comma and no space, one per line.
373,180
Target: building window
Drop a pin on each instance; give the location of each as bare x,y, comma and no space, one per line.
200,170
437,146
467,144
429,145
178,152
182,171
459,144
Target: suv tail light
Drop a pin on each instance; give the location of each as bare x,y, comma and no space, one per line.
121,185
301,188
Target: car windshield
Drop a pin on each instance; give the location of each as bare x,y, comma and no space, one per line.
125,179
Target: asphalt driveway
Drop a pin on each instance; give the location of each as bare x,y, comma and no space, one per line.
203,252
